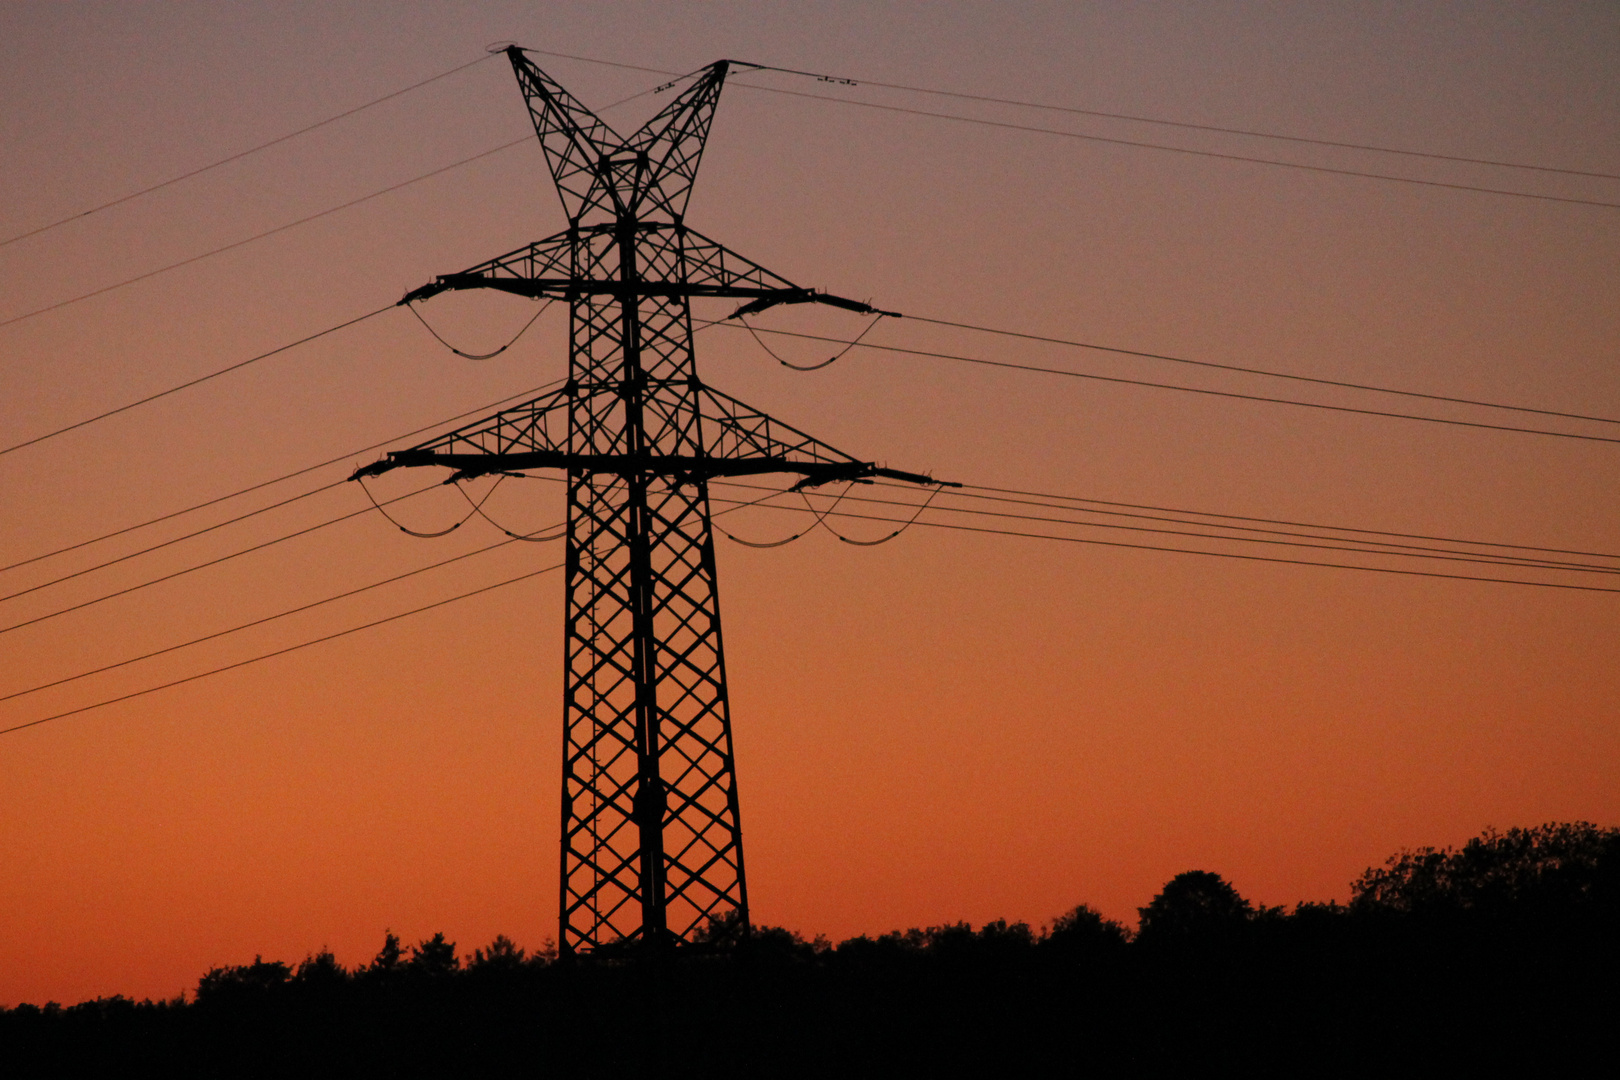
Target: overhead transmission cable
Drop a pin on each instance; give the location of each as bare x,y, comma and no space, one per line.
81,215
1376,545
1140,119
1196,551
1201,390
1053,501
195,382
817,518
174,540
1334,543
1297,540
1139,143
904,525
1265,372
537,537
479,356
233,245
820,515
1050,501
866,517
282,652
270,483
211,562
1218,155
833,359
256,622
254,487
1271,521
737,504
289,225
428,535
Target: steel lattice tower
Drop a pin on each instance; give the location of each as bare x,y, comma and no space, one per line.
651,834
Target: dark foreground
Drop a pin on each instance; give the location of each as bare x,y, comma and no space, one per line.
1501,957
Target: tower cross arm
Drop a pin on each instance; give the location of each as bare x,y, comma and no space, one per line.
516,271
572,264
683,468
570,288
806,296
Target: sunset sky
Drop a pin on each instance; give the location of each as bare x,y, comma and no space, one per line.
951,726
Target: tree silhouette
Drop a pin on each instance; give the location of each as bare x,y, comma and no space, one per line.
1193,905
502,954
1501,955
434,957
1554,865
388,957
255,981
1083,929
321,969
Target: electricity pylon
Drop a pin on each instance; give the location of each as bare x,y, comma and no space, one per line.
651,835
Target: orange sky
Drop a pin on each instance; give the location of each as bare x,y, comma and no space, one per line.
946,727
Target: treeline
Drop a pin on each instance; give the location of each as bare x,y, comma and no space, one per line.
1502,955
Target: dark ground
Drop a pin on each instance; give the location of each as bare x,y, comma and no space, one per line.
1500,957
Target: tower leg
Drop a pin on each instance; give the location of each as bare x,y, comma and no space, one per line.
651,838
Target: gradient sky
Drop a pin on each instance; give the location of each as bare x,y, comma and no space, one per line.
946,727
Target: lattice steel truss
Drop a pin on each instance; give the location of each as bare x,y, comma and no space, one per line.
651,834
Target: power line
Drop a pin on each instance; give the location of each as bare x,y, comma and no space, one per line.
281,652
1373,545
1139,119
260,236
239,156
738,504
1212,554
1188,389
1280,521
289,649
966,491
255,622
1484,558
1182,149
1377,548
1377,545
1448,555
174,540
290,224
605,63
1335,543
200,379
1145,145
1134,117
210,562
277,480
1263,558
478,356
1263,371
254,487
